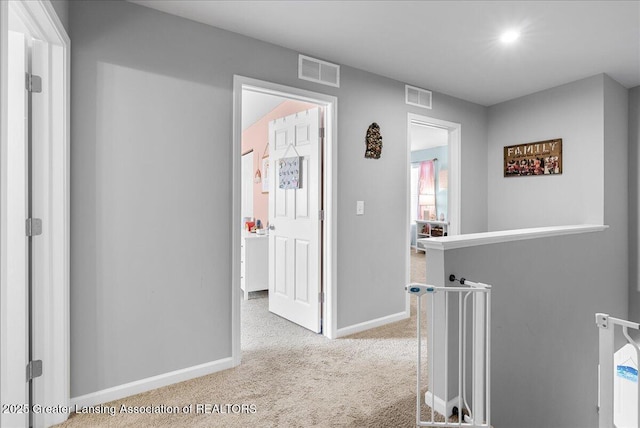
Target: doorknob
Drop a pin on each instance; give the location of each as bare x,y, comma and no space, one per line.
272,227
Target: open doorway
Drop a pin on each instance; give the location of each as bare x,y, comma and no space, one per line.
261,114
433,186
282,141
428,190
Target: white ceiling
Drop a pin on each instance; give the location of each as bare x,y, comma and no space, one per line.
255,105
446,46
426,137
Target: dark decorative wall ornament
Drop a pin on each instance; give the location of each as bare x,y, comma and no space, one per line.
373,142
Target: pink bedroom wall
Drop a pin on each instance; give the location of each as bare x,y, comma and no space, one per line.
255,138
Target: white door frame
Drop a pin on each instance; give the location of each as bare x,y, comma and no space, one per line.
43,23
244,176
453,191
330,162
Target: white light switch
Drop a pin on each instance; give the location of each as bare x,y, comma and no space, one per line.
359,207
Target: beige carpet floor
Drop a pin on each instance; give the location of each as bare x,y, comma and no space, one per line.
294,378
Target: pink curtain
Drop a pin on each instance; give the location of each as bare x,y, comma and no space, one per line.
426,184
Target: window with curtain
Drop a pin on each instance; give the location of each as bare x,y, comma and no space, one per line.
415,175
427,191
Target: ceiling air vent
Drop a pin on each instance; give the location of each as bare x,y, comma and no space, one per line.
318,71
417,97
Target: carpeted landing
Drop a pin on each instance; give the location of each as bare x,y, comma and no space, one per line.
290,377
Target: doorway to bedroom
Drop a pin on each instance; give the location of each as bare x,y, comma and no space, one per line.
433,186
278,232
283,144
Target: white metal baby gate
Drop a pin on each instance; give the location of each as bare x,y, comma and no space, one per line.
477,412
606,394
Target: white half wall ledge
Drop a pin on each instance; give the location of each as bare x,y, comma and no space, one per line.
485,238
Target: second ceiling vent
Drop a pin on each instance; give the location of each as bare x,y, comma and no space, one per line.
316,70
417,97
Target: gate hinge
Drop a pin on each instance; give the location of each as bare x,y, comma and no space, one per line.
34,369
34,227
33,83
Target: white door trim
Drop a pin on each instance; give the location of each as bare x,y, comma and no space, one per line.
247,179
329,239
43,23
454,190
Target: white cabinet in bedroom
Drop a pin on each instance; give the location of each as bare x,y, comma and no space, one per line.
254,263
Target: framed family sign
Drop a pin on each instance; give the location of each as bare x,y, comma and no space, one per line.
539,158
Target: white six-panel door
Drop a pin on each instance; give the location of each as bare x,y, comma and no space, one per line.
294,218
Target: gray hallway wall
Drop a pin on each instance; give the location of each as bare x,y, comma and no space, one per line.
544,343
616,185
62,10
151,139
547,291
634,204
573,112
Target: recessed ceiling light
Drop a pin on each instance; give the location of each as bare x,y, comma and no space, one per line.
509,36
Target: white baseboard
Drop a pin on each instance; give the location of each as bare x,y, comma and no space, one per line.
357,328
439,404
143,385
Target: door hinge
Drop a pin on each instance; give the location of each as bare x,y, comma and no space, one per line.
321,215
321,132
34,369
321,297
34,227
33,83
